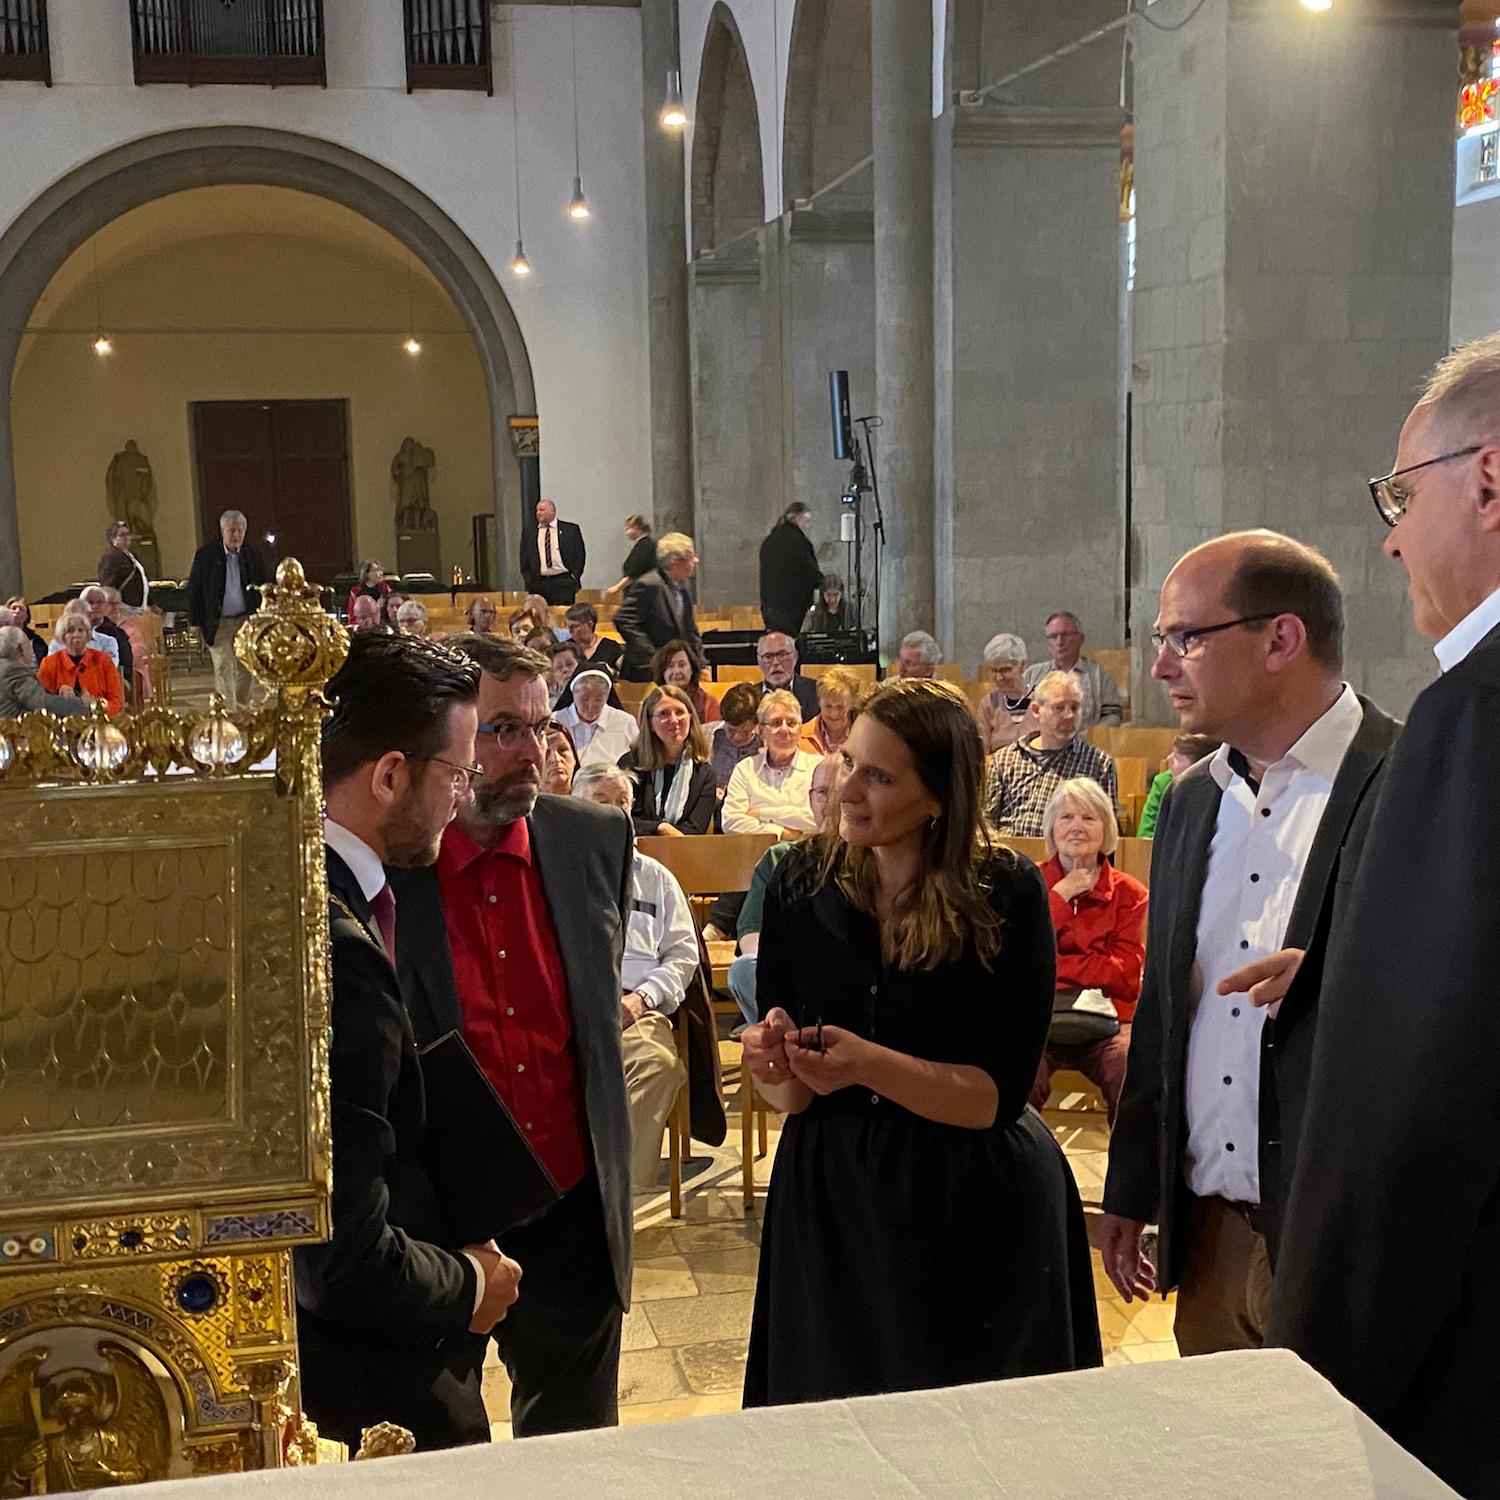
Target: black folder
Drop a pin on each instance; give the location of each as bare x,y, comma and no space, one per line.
488,1178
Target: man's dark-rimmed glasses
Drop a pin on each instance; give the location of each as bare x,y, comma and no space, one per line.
1391,499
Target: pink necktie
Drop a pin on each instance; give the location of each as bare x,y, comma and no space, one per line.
383,909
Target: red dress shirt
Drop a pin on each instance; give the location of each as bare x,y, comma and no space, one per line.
1101,935
513,992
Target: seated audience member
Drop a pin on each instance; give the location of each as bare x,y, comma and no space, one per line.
839,692
1100,916
525,622
78,668
364,613
661,957
20,690
830,615
412,619
371,585
639,560
747,930
1099,696
1004,713
133,648
600,734
540,641
674,783
390,608
563,659
595,650
674,664
768,792
22,612
538,606
1187,750
1024,775
91,605
561,764
918,655
776,655
95,600
739,734
482,616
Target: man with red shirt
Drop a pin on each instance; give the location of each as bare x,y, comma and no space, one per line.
515,938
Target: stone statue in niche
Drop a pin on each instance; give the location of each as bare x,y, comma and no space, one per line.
409,470
130,492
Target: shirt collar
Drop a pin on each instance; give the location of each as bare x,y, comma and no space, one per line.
364,863
1321,749
1467,634
459,851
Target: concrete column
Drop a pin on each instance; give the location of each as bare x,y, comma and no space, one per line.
1294,189
901,80
666,280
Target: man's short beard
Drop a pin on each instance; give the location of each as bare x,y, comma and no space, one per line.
409,839
504,802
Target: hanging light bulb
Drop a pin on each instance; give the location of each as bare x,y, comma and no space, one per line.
1318,4
578,205
412,346
102,345
519,265
673,113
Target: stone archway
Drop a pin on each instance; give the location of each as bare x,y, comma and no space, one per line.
78,205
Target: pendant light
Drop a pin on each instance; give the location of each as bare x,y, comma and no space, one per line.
411,343
578,205
519,265
102,344
673,113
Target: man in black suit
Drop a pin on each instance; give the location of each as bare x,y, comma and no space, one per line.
790,575
515,939
776,655
552,556
1394,1215
388,1310
658,608
221,593
1249,846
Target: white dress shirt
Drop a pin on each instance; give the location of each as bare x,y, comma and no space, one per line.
661,943
605,740
1468,633
1260,847
760,799
543,534
367,870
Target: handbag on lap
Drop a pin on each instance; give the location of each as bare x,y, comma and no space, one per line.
1080,1017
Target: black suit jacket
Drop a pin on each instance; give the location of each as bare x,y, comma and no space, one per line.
583,852
646,623
572,553
1148,1144
1384,1281
205,590
697,812
383,1309
127,652
789,577
804,690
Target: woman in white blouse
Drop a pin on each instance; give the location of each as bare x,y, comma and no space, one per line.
600,734
768,792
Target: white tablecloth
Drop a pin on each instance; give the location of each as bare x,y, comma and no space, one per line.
1220,1428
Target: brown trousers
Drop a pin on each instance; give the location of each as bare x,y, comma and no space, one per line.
1224,1297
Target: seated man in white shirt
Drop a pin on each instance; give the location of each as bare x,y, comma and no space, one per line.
768,792
661,956
600,734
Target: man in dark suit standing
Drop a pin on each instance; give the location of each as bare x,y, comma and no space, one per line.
515,939
1384,1281
1247,850
221,593
387,1310
658,608
790,575
552,556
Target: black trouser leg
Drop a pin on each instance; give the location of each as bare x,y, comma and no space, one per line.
558,588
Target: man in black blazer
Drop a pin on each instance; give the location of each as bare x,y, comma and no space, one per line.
388,1309
552,556
658,608
222,592
776,656
1384,1280
790,574
515,939
1248,851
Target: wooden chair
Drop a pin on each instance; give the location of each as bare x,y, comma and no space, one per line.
632,695
974,691
728,674
1151,744
1130,771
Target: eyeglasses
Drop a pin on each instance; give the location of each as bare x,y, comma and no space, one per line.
1391,499
1180,642
775,655
509,733
463,776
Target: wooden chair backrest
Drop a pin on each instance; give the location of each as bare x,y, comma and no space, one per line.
864,670
974,691
1116,662
728,674
1131,771
632,695
709,864
1152,745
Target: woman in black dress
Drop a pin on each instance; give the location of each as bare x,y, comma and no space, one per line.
923,1228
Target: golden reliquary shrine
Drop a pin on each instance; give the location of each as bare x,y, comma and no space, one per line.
164,1132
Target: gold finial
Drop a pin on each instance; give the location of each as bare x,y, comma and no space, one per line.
385,1440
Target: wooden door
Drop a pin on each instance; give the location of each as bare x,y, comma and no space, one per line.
284,464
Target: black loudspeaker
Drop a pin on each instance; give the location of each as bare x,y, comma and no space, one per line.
838,402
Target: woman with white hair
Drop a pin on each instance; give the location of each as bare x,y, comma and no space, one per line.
77,669
412,618
1100,916
1005,711
767,793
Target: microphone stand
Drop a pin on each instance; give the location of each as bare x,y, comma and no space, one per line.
868,423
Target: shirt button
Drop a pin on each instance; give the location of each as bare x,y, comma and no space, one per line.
520,1067
528,1124
1244,942
1265,812
493,899
1235,1011
874,1098
1227,1080
1254,879
500,954
510,1010
874,989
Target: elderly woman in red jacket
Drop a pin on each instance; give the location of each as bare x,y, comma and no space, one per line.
1100,916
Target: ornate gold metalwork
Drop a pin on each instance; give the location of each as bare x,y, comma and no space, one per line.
385,1440
163,1072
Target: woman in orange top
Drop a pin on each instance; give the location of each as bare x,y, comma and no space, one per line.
79,669
839,692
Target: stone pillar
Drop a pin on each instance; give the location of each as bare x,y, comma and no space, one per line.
901,80
666,280
1294,191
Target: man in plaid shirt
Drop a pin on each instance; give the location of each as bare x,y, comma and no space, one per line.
1023,776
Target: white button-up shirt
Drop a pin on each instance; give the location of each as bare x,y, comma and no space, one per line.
1260,847
543,535
661,943
760,799
1468,633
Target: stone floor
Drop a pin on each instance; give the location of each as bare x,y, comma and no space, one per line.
686,1332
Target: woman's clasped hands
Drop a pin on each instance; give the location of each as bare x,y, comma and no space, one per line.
824,1058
